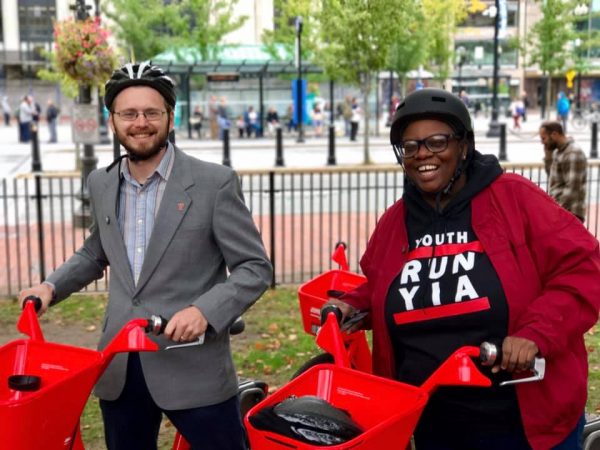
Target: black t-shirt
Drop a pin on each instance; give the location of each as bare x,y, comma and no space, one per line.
448,295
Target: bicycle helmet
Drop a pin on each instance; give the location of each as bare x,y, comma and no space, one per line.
431,103
140,74
437,104
308,419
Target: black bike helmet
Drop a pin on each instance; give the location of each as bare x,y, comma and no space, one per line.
308,419
142,74
431,103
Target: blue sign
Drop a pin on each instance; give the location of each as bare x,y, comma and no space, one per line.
303,89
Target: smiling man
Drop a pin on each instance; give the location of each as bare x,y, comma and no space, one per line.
181,243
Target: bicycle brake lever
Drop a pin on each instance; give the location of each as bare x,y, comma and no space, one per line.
198,341
538,369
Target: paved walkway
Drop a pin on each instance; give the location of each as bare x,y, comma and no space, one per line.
523,146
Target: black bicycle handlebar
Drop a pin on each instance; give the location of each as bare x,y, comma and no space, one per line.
37,302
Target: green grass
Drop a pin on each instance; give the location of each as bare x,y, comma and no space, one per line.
272,348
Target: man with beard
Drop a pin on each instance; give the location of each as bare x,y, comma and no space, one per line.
181,243
566,166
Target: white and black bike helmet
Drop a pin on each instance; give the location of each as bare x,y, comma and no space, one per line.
140,74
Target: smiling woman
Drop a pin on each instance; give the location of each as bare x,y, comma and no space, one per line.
465,257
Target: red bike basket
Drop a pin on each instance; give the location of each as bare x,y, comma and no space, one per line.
386,410
314,293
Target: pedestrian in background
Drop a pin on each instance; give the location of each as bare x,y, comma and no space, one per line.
272,120
213,117
563,105
516,111
52,119
26,113
347,115
355,119
6,110
196,121
568,169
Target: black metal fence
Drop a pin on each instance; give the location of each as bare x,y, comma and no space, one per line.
301,214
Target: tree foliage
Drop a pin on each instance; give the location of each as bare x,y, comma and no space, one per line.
149,27
548,38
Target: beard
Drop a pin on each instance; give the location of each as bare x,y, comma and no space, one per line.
144,151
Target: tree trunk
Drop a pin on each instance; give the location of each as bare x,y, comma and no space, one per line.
366,89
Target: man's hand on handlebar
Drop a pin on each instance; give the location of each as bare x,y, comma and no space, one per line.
43,291
186,325
518,355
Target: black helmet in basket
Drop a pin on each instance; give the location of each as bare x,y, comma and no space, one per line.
140,74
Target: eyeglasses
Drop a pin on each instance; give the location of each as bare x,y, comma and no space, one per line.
435,143
129,115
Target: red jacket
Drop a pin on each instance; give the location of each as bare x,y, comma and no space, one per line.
549,267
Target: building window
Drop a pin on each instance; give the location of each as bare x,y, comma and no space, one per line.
35,20
481,53
482,18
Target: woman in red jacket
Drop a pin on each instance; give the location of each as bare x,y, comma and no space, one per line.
470,254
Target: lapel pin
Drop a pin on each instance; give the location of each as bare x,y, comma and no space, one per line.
107,220
180,206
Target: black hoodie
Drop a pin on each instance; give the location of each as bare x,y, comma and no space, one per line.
449,295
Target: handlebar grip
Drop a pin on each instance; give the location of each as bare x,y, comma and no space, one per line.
37,302
331,309
156,325
490,354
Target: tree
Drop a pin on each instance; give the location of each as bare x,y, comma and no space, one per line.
141,26
411,47
357,36
284,31
441,18
149,27
547,42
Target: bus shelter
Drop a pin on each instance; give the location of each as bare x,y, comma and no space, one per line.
230,64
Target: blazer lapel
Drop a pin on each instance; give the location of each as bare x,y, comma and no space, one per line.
114,247
173,207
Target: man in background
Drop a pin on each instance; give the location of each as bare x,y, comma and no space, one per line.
566,166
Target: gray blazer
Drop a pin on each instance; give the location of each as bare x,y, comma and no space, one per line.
204,250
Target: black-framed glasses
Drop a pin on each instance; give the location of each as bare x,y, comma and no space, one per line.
129,115
435,143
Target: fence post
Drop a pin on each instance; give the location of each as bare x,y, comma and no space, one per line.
331,157
36,168
116,146
502,152
594,149
226,157
272,225
279,147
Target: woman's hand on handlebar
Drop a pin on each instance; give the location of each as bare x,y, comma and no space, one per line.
43,291
347,312
186,325
518,354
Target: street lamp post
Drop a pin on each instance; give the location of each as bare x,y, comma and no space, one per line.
461,57
299,106
88,160
580,10
102,127
494,126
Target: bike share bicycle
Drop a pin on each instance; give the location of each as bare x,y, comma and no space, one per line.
46,385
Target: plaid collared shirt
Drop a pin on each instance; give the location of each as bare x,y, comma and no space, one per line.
138,206
567,180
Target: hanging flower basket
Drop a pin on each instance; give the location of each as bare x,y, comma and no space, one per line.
82,52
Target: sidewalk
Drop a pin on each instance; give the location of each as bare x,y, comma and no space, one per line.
259,153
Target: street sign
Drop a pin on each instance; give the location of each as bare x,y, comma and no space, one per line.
223,76
570,76
84,124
